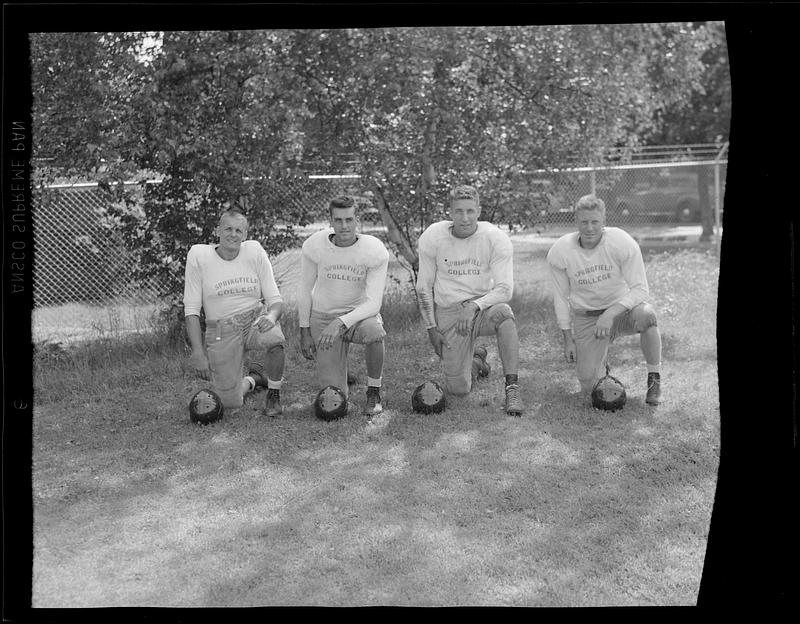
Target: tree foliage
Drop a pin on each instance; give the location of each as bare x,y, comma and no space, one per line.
704,115
221,117
427,107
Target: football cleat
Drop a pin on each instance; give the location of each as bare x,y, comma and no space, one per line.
272,407
513,400
653,389
373,405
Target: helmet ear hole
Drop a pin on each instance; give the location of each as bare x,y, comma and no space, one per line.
330,403
428,398
205,407
608,394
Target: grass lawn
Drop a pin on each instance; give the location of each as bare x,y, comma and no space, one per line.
566,506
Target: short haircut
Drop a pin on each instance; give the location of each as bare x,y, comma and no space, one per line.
591,202
341,201
464,191
234,213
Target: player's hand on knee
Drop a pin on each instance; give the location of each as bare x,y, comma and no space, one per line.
603,327
330,334
199,363
466,319
264,323
307,346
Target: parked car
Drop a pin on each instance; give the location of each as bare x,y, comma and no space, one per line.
673,195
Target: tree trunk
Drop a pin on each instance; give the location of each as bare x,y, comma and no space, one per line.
706,209
395,234
427,173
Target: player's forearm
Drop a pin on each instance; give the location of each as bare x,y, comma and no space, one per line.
275,311
426,309
308,277
560,284
501,293
563,314
635,296
633,273
424,287
304,309
374,286
502,269
368,308
195,333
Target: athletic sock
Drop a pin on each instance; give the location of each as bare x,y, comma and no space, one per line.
654,368
511,379
375,383
274,385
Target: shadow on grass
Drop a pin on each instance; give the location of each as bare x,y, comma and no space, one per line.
487,516
564,506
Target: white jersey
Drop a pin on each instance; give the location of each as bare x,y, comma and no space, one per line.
595,279
347,282
226,287
452,270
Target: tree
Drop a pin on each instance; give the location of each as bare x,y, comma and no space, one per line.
705,115
208,113
427,107
218,115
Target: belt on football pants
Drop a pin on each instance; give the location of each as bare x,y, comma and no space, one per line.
237,321
588,312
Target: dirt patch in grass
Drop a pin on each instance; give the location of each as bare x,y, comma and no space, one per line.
566,506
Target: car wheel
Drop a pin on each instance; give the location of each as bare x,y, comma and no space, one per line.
687,211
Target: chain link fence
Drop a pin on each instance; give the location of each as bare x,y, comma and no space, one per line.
83,284
665,189
82,272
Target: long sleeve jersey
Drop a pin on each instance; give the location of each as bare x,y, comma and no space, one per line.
226,287
452,270
595,279
347,282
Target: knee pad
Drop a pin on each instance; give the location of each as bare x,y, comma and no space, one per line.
646,319
371,333
502,312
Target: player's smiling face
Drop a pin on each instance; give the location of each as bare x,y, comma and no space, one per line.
464,213
344,222
590,225
231,231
